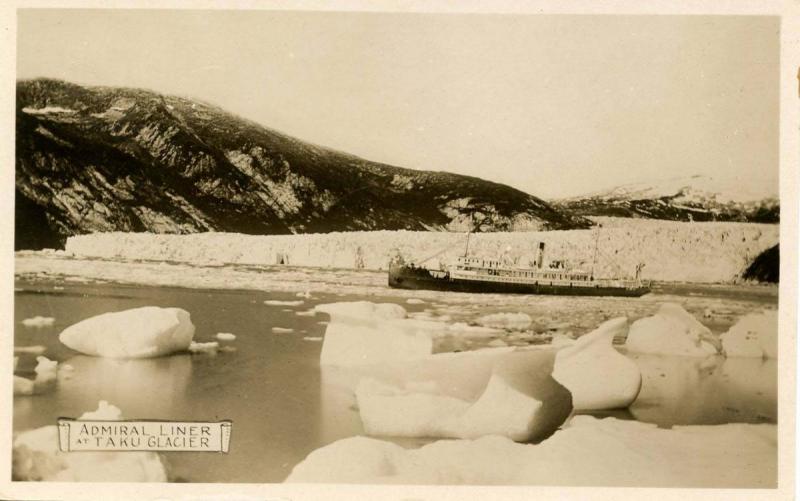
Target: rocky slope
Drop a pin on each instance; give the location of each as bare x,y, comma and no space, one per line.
695,198
95,159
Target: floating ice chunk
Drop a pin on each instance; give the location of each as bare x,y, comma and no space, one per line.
104,412
137,333
210,347
282,330
46,370
518,321
305,294
596,374
364,333
461,329
415,300
560,340
226,336
35,350
671,331
23,386
312,338
35,456
590,452
754,335
521,401
274,302
38,321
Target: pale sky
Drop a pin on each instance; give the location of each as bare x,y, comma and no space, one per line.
553,105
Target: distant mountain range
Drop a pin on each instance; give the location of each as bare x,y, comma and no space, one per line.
695,198
95,159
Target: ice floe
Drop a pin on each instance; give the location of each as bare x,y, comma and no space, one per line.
282,330
35,349
226,336
594,372
521,401
365,333
754,335
312,338
414,300
519,321
38,321
35,456
144,332
275,302
671,331
210,347
589,452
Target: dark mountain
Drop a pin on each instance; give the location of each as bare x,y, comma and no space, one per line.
765,267
695,198
103,159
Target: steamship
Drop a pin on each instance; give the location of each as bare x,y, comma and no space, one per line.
474,274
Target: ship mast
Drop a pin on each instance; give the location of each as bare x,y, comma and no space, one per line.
466,248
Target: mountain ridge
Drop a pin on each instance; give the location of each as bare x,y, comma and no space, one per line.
689,198
99,158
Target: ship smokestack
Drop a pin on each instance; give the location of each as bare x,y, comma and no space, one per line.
540,255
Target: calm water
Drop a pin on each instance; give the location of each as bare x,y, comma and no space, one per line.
281,404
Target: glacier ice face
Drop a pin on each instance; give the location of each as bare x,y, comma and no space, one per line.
35,456
144,332
589,452
754,335
671,331
596,374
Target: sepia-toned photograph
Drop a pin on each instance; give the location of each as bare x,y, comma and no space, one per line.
397,248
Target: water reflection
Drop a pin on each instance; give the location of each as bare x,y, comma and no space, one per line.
141,388
715,390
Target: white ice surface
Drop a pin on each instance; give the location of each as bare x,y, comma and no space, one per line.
521,401
589,452
226,336
596,374
365,333
518,321
754,335
671,251
144,332
38,321
35,456
671,331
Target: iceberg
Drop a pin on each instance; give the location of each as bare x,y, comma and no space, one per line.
365,333
671,331
589,452
226,336
144,332
754,335
596,374
521,401
35,456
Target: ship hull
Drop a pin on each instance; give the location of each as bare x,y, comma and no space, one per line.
423,279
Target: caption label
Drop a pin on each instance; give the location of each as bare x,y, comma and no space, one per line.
79,435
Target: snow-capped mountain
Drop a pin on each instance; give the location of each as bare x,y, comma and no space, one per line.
92,159
694,198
